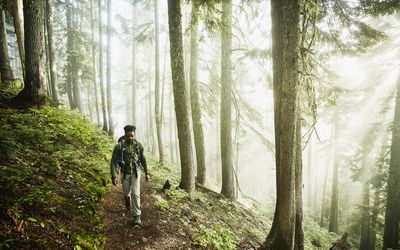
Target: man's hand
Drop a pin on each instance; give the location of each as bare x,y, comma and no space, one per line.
147,178
114,181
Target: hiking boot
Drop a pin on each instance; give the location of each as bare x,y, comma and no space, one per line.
136,220
128,203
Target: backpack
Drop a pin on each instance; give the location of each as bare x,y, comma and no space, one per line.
136,147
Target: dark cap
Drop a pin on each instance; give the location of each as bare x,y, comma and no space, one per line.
130,128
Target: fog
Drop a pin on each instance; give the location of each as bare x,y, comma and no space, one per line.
364,96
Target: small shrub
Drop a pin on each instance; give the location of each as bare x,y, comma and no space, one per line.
215,237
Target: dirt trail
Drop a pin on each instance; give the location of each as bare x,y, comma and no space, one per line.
158,231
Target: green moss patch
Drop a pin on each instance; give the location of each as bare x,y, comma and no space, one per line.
53,176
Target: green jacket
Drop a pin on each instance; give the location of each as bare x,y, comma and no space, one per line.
129,156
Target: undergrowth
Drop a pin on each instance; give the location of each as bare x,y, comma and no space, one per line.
53,176
219,223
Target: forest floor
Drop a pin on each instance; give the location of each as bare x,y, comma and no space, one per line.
173,219
157,231
56,194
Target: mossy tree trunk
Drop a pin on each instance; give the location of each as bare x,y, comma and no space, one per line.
180,95
34,90
69,55
157,102
52,53
286,232
133,67
108,73
392,215
195,102
96,96
101,77
18,19
5,68
73,84
228,176
334,216
366,232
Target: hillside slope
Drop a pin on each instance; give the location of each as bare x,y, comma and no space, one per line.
53,176
56,194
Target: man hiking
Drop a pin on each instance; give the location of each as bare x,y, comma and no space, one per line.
128,155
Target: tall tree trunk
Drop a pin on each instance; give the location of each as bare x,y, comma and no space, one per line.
109,95
18,17
194,101
102,91
324,198
89,99
76,87
52,53
171,129
147,117
365,240
96,97
284,234
334,216
133,63
228,177
309,176
157,87
5,68
378,191
392,215
180,95
47,53
34,90
299,234
69,77
150,110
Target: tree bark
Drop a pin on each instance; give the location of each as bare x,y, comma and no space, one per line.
150,110
309,176
324,198
52,54
180,95
299,234
18,17
102,91
5,68
69,84
109,95
157,87
74,87
34,90
133,111
378,191
392,215
284,234
365,240
228,177
195,102
96,96
334,216
171,130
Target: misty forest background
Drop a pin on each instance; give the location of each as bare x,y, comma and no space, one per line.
295,104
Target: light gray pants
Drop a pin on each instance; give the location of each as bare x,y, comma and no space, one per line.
131,187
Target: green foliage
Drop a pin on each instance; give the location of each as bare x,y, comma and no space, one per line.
383,7
53,176
10,88
177,194
162,204
316,237
215,237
